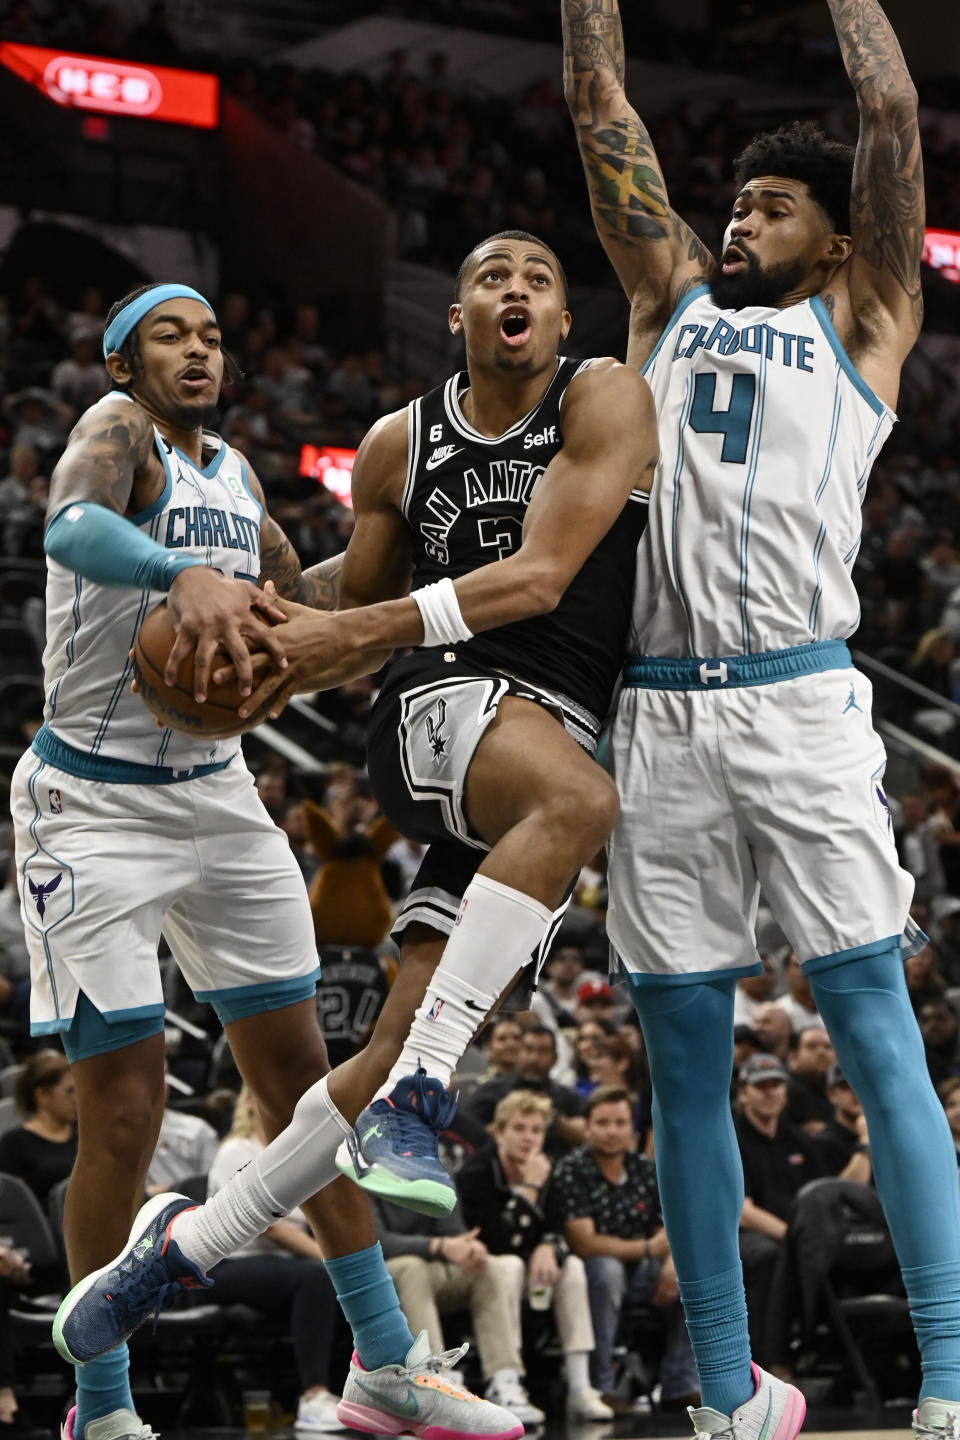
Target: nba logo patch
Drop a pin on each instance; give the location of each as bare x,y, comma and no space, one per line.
435,1009
56,803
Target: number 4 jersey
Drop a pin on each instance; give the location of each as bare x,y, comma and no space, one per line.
767,436
465,499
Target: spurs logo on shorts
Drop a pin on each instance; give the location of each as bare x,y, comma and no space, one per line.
435,735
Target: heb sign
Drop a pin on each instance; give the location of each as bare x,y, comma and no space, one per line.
113,87
941,251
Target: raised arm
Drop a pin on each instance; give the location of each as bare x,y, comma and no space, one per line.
887,201
655,253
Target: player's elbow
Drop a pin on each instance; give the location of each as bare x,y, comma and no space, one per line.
543,589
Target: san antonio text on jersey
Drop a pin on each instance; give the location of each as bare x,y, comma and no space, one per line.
465,500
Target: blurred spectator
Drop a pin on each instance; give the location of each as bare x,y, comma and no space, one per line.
41,1150
23,522
185,1147
439,1265
503,1192
774,1027
281,1274
613,1061
39,419
538,1053
595,1000
15,487
949,1092
798,1002
753,991
606,1195
80,381
940,1029
918,847
924,979
558,989
808,1061
778,1158
844,1144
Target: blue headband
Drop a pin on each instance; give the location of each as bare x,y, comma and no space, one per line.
131,315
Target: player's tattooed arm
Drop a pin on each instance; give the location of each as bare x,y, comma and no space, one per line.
109,449
887,198
655,253
318,587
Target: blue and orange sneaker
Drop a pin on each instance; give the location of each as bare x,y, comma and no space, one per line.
393,1149
107,1306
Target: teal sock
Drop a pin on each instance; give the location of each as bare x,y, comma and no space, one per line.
381,1336
103,1385
716,1315
934,1295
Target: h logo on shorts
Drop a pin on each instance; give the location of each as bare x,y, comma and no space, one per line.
715,672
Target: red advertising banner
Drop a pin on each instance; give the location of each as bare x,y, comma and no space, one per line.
115,87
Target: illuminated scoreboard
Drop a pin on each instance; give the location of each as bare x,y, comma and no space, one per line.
941,251
332,466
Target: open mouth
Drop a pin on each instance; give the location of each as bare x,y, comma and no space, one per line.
515,326
196,378
733,260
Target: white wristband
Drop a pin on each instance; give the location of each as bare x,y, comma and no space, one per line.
440,612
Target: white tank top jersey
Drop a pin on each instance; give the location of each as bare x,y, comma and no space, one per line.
206,512
767,436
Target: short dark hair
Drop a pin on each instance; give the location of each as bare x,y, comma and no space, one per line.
510,235
42,1071
801,151
130,349
529,1030
607,1095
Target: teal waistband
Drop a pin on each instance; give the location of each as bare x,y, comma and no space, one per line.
57,752
651,672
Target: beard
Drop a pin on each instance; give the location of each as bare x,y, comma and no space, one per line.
752,285
187,417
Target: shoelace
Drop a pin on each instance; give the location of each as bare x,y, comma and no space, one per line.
443,1360
946,1431
435,1107
411,1134
144,1288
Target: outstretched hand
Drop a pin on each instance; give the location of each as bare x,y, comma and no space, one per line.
315,642
213,610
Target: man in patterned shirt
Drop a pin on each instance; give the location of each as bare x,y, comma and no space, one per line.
605,1195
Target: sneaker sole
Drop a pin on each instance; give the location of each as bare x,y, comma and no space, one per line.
145,1216
426,1197
378,1422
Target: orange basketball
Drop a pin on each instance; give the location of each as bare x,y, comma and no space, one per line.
174,705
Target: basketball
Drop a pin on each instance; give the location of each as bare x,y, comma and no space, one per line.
175,705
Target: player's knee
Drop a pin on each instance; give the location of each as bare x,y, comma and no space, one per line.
591,806
122,1126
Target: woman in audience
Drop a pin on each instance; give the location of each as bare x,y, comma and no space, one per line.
503,1192
42,1150
282,1274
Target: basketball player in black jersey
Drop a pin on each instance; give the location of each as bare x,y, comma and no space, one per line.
481,740
542,463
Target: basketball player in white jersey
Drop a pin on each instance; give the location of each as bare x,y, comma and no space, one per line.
480,744
125,831
743,748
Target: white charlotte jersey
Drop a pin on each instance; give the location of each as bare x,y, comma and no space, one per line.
206,512
767,436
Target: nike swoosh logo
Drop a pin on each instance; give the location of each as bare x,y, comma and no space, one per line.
408,1407
472,1005
432,464
356,1157
766,1419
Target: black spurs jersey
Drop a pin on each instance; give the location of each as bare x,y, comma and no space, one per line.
465,499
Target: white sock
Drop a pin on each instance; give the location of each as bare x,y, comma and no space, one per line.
576,1364
496,933
291,1169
